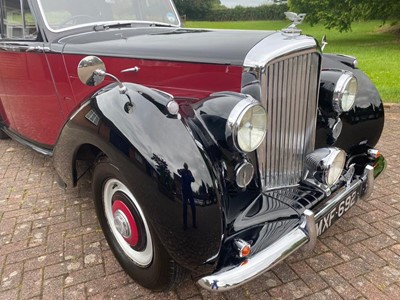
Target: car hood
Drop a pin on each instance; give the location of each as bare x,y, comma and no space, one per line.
228,47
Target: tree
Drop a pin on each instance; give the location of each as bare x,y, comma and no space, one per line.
196,9
340,14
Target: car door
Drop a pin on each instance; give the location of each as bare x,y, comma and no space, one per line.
27,92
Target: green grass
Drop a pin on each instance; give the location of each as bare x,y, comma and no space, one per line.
378,52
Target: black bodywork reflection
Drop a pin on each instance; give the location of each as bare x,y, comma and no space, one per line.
187,195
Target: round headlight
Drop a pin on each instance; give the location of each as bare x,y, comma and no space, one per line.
334,167
346,91
248,124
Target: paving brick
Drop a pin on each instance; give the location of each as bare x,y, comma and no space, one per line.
341,250
31,284
188,290
9,294
292,290
7,226
83,275
108,282
392,258
379,242
53,288
352,236
323,295
339,284
11,277
26,254
309,276
55,242
364,226
129,291
43,260
262,283
324,261
393,291
369,290
353,268
367,255
284,272
76,292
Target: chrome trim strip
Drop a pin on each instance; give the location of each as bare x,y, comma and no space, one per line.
275,46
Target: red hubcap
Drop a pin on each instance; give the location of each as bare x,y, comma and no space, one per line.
125,223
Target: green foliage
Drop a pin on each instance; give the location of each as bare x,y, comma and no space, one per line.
376,48
240,13
341,14
196,9
212,10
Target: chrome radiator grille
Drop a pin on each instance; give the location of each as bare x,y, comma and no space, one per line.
289,93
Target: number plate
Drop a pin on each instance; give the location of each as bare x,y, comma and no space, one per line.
337,211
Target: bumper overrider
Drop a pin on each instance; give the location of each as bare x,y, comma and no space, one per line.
311,225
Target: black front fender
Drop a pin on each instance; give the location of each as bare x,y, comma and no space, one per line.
363,124
150,148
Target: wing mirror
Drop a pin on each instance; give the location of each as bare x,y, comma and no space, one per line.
92,71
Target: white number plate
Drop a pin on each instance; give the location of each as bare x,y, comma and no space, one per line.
335,213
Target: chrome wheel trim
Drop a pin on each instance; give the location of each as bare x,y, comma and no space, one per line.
141,258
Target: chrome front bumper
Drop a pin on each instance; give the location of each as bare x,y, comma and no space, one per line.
304,235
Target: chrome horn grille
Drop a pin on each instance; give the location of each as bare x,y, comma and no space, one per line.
289,87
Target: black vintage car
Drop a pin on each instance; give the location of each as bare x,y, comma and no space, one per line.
213,152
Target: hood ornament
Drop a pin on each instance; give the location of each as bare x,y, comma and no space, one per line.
297,19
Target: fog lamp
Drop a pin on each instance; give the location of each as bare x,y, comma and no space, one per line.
248,124
326,165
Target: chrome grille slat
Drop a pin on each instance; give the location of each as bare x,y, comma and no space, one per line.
289,93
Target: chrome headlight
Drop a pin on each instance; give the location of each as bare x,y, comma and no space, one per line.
326,165
345,91
248,124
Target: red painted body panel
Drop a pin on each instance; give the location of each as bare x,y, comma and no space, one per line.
29,97
183,80
42,90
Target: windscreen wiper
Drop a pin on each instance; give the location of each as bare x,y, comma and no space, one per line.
106,26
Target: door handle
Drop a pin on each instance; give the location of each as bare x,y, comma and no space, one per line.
38,49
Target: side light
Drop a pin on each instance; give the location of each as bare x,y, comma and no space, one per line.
244,174
243,248
326,165
345,92
248,124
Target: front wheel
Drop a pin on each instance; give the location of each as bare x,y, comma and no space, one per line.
131,238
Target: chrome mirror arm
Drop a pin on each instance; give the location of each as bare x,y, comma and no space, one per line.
122,88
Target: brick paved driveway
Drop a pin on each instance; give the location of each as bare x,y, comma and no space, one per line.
51,246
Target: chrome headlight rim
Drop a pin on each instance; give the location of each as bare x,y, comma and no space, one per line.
329,162
235,118
341,88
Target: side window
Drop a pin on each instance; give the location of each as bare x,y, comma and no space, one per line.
19,22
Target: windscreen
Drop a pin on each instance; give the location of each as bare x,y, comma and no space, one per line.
65,14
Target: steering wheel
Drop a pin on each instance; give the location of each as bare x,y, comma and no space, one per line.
74,19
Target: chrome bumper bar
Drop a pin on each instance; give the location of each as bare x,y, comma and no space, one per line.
304,234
